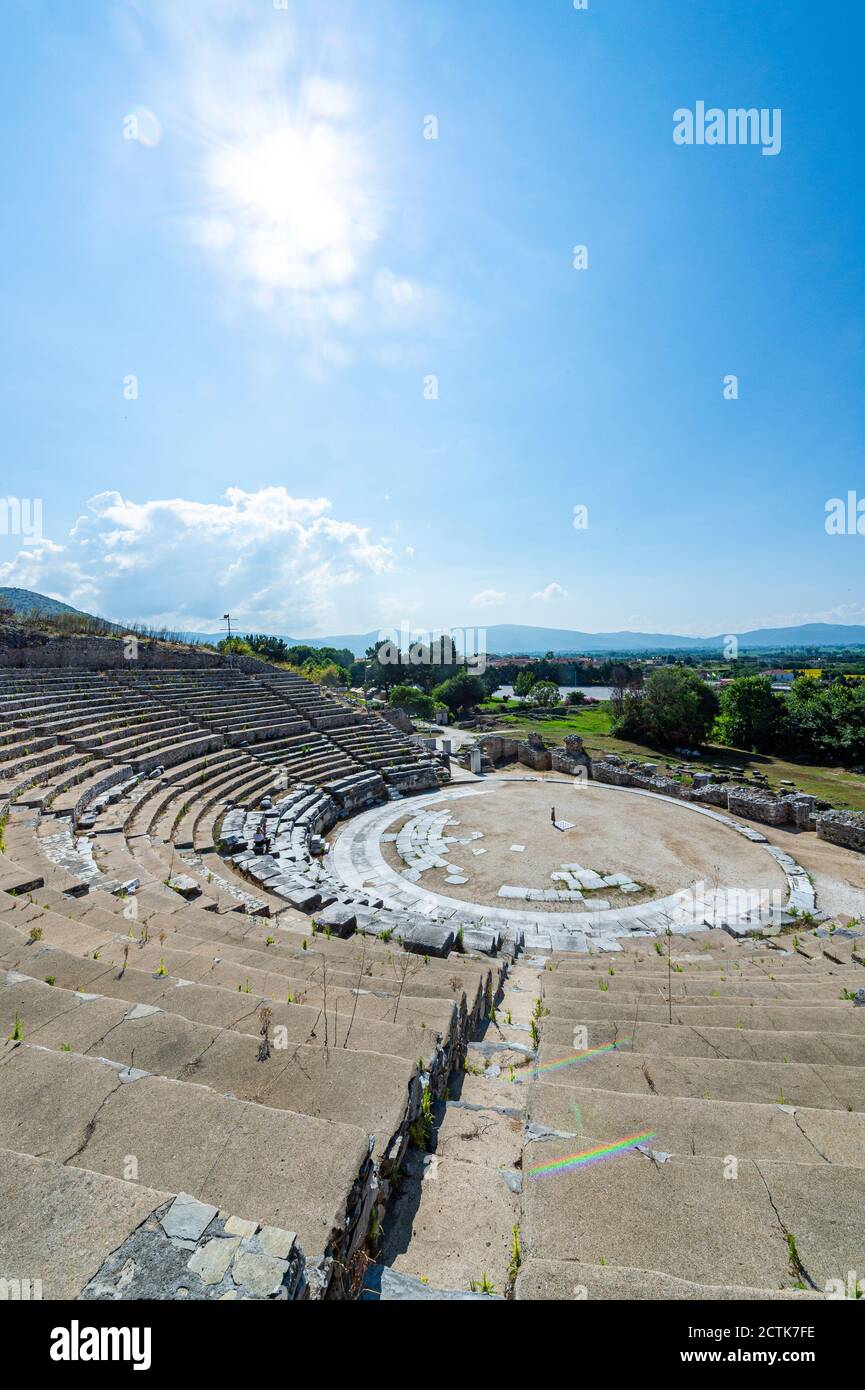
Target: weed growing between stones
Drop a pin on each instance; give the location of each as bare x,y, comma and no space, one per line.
421,1129
516,1255
538,1012
482,1285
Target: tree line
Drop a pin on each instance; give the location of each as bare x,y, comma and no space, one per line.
815,722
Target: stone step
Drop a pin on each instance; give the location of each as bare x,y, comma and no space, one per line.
833,1015
16,879
451,1224
826,986
682,1040
791,967
775,1225
385,967
794,1083
226,1008
301,1174
795,1134
569,1279
378,1093
390,1003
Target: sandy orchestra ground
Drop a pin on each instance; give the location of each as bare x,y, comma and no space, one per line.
664,847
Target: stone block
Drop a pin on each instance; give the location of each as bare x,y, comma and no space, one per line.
187,1218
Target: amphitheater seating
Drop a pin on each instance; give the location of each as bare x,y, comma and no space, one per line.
173,997
750,1081
143,979
315,1054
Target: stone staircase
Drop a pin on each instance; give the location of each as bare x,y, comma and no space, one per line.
595,1153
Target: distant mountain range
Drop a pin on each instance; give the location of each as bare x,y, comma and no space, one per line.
508,639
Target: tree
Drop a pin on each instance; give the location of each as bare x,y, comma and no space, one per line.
575,697
271,648
545,693
234,646
620,676
330,674
827,723
752,715
523,683
413,701
460,692
673,709
383,674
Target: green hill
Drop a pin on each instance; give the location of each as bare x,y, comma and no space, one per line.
26,604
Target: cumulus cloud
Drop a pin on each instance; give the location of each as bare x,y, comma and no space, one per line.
275,560
552,591
487,596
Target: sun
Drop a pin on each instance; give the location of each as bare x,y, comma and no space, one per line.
293,202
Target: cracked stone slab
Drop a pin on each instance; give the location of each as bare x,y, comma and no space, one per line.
187,1218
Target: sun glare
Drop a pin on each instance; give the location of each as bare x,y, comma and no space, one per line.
295,195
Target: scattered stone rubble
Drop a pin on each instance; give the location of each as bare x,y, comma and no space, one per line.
188,1249
295,867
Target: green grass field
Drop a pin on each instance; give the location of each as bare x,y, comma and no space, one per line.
832,784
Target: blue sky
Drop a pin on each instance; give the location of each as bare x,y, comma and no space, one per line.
280,260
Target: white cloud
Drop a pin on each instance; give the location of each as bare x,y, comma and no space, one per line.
552,591
487,596
276,560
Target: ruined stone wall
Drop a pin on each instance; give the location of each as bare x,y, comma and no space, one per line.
531,756
108,654
796,809
846,828
742,801
398,718
713,793
573,758
499,748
